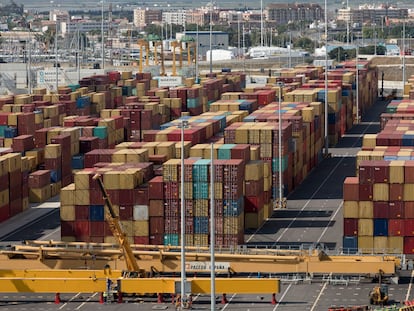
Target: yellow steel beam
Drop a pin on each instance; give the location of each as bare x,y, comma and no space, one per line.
51,285
60,273
236,285
141,285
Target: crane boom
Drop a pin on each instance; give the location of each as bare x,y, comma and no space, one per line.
117,231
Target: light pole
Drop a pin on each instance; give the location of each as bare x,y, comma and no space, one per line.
403,58
56,48
211,38
326,81
238,35
280,85
212,235
102,35
357,83
183,125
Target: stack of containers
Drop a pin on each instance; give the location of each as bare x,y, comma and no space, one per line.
377,208
39,186
83,211
254,199
266,135
12,196
156,210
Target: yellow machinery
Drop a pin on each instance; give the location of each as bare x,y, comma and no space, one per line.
379,294
174,45
116,229
142,43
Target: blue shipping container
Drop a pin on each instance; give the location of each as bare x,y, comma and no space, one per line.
10,132
77,162
380,227
96,213
350,244
55,175
201,224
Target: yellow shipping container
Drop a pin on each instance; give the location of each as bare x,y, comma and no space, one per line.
366,244
365,209
53,151
4,197
408,192
67,213
201,239
128,226
380,192
380,244
82,197
38,195
365,227
141,228
254,220
127,180
13,161
369,140
255,153
396,172
254,170
111,180
351,209
395,244
67,195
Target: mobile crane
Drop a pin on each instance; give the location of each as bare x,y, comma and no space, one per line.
114,224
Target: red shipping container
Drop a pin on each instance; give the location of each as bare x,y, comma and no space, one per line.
350,226
253,204
156,188
381,209
81,229
141,195
156,225
82,212
396,227
254,187
4,182
409,227
15,179
15,193
4,212
125,212
396,209
97,228
381,171
4,118
396,192
409,209
156,239
172,225
365,192
156,208
409,171
351,189
67,228
16,207
408,245
126,197
39,179
142,240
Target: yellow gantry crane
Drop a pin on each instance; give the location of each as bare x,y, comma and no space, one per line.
143,44
114,224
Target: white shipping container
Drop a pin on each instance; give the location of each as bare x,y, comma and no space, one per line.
140,212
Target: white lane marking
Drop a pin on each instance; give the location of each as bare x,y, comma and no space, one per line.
307,203
330,220
69,301
281,298
319,297
226,305
45,237
407,297
87,300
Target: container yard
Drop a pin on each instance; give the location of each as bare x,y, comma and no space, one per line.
125,128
